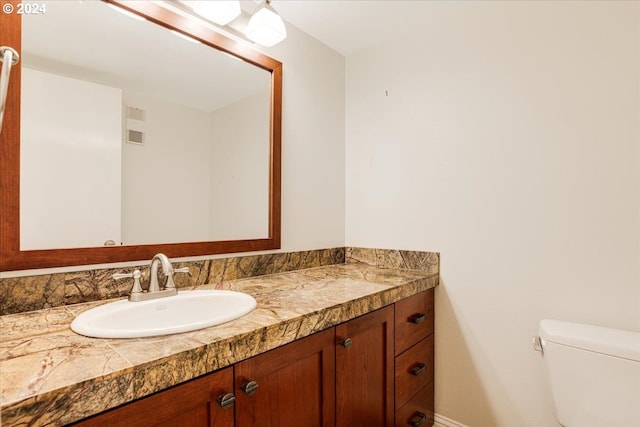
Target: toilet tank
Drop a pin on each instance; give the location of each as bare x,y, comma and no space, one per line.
594,374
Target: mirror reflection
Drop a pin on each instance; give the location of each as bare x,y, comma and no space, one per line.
134,135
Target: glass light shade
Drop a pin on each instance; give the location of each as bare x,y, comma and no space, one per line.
219,11
266,27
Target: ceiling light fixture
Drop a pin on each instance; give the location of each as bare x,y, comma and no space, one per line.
220,11
266,27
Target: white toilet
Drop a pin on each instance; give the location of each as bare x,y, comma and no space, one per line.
594,374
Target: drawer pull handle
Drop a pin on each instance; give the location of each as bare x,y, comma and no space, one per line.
419,370
250,388
226,400
417,419
418,318
346,343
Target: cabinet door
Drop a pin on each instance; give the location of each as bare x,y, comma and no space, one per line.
364,370
192,404
295,385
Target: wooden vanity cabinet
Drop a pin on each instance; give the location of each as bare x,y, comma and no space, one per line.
374,370
194,403
290,386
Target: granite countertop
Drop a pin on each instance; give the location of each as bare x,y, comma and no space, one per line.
51,376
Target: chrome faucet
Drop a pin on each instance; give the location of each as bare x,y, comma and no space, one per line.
167,269
153,291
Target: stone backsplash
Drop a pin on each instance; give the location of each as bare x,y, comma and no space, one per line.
395,258
29,293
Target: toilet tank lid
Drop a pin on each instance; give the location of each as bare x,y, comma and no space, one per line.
614,342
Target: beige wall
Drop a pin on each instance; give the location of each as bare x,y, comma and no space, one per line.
313,135
506,136
165,174
239,195
83,186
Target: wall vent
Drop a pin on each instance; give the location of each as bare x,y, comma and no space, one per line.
135,113
135,137
136,118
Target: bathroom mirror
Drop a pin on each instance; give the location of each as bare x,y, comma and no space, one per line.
153,135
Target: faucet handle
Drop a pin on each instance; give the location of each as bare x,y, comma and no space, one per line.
170,284
136,274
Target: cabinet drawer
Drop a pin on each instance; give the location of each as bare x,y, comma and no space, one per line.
418,411
414,369
414,319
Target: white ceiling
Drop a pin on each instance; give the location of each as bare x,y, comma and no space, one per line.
348,26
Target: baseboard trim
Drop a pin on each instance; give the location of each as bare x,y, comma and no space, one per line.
442,421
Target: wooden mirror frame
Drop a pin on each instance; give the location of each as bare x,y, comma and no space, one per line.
12,258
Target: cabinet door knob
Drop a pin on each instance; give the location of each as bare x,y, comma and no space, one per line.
418,318
417,419
346,343
226,400
419,369
250,388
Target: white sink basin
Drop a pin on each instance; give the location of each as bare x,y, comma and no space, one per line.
187,311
